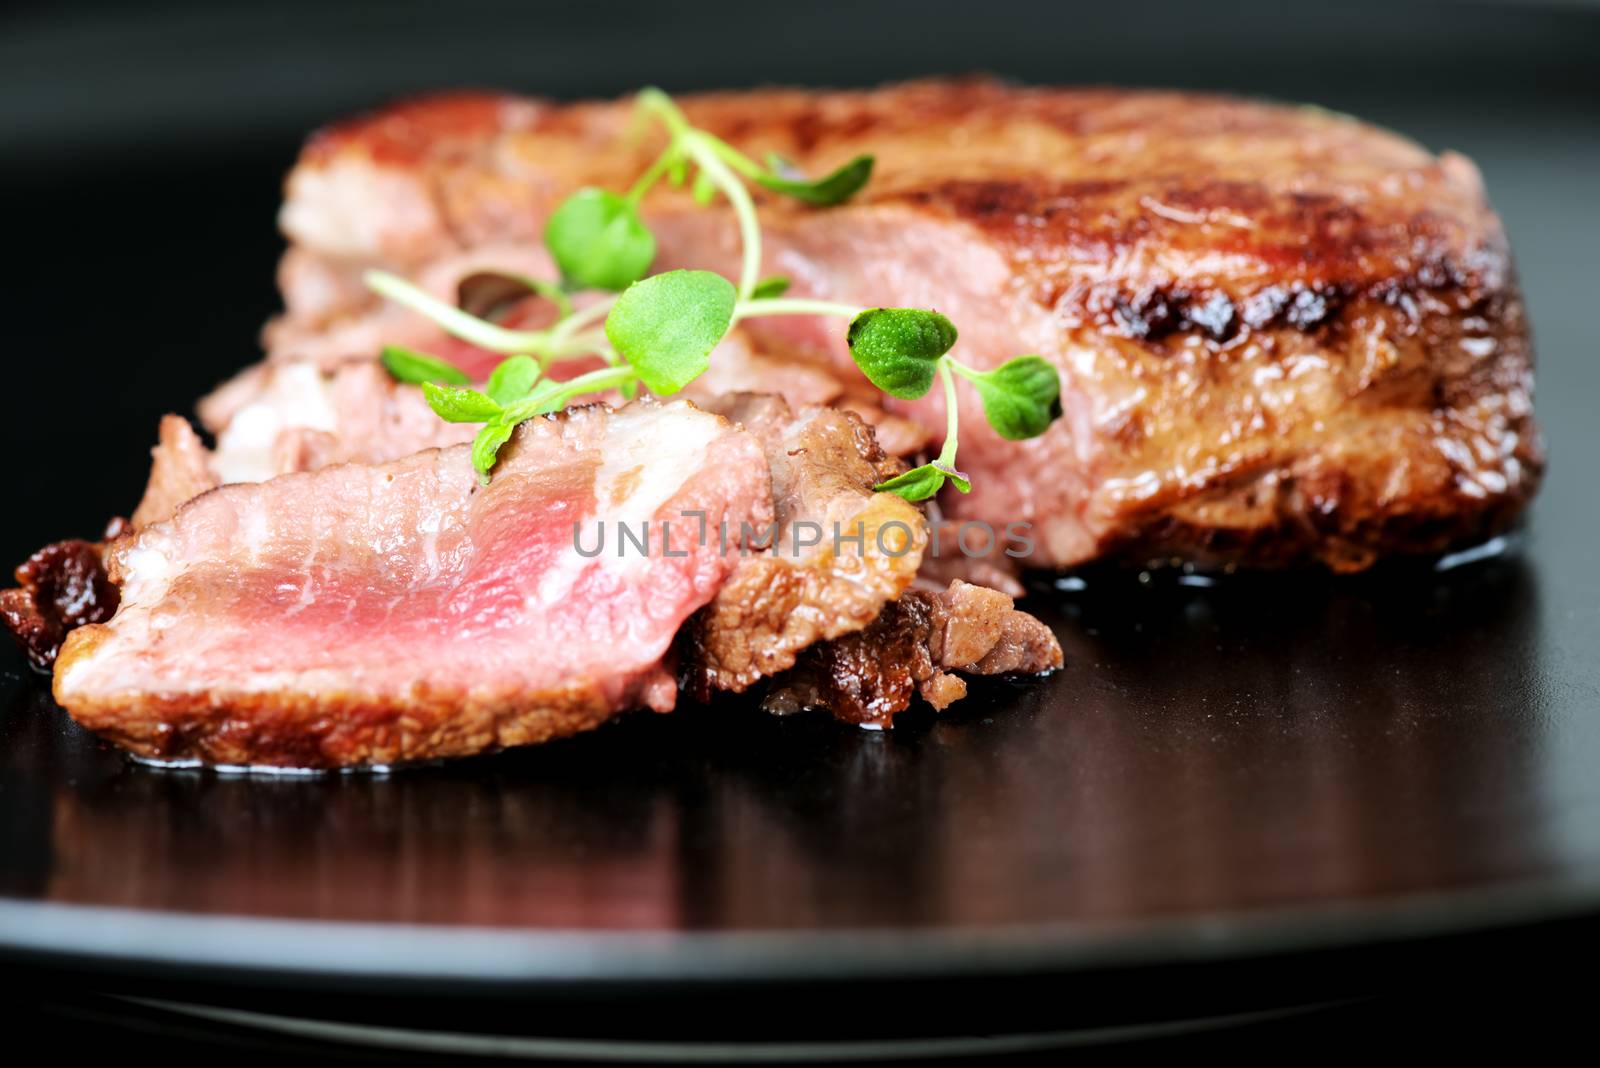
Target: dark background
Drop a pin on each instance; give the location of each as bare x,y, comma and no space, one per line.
144,146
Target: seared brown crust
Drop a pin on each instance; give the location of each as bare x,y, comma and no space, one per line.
912,648
331,730
423,131
824,465
59,588
1285,336
1149,213
1395,428
1163,203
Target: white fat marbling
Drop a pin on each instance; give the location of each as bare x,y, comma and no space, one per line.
296,395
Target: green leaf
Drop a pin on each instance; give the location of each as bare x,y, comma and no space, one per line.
917,484
899,348
957,478
512,379
459,405
767,288
598,240
836,188
1021,397
486,446
920,483
409,365
667,325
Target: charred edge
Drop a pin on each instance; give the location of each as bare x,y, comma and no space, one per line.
341,730
1156,314
867,677
1159,313
1335,235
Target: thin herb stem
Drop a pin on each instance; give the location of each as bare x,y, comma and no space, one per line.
971,374
567,340
592,382
454,321
656,102
579,346
733,157
744,208
583,317
750,309
702,149
947,454
653,175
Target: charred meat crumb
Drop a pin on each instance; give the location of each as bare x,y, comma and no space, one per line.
59,588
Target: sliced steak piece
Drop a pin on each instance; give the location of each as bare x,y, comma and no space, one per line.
1284,335
272,419
913,648
367,614
276,419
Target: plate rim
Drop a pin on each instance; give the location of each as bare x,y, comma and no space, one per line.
231,947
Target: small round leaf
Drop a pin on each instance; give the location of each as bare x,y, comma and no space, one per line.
667,325
836,188
917,484
898,349
486,446
409,365
512,379
769,288
459,405
1021,397
958,479
598,240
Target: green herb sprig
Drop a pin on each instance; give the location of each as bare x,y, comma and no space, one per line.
660,330
512,397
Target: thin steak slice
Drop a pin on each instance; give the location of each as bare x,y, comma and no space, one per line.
1284,335
367,614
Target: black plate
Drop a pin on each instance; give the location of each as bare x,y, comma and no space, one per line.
1223,773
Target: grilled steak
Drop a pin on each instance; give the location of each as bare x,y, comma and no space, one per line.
370,614
1284,335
